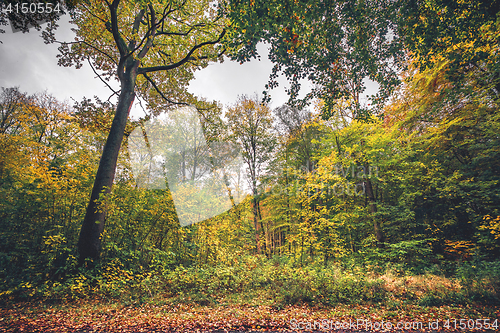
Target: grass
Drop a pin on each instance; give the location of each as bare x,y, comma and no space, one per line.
256,281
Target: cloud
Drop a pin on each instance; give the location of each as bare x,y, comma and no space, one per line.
225,81
27,62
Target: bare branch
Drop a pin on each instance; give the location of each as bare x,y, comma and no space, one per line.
91,46
142,106
100,78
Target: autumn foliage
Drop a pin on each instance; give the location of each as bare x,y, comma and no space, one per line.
390,209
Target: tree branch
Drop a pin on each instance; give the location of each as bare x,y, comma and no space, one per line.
162,32
183,61
94,15
150,35
100,78
135,28
159,91
91,46
167,11
120,43
137,21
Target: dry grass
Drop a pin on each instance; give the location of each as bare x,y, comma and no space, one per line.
418,286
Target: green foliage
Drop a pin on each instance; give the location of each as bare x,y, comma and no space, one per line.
405,257
356,41
404,207
479,283
461,31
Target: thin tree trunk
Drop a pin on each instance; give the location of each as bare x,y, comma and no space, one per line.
373,210
256,222
264,229
89,243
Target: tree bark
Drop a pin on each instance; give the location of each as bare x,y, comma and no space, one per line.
373,210
256,222
89,243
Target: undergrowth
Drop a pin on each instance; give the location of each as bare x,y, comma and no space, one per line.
278,282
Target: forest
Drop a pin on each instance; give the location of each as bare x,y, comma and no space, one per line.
206,216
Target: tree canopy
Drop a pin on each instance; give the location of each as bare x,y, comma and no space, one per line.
336,45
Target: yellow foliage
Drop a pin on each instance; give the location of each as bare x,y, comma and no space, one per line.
492,225
460,249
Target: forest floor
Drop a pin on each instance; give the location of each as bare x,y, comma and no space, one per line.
97,316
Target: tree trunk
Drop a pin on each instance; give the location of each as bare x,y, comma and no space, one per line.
264,229
89,243
256,222
373,210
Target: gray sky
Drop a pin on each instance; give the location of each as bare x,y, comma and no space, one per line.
26,62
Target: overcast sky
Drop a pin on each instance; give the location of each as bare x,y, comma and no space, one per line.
26,62
31,65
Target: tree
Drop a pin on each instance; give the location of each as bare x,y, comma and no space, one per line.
334,44
31,14
249,123
337,44
12,102
460,31
152,48
456,126
46,166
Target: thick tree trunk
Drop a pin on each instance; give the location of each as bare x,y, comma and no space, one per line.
89,243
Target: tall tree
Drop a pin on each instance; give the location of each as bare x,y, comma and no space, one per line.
152,48
338,44
250,124
464,32
334,44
